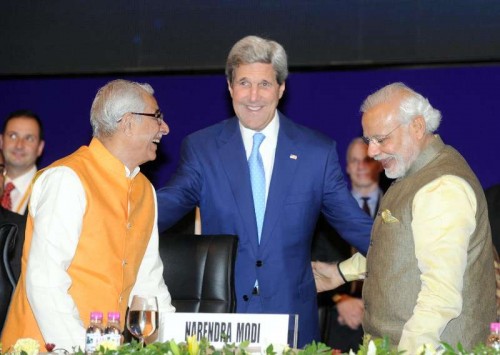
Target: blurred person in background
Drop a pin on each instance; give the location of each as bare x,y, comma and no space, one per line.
343,309
22,142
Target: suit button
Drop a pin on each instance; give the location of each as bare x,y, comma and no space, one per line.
245,298
259,263
371,242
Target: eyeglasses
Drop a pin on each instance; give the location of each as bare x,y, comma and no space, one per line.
157,115
3,170
379,140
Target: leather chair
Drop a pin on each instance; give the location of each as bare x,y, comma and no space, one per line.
8,236
199,271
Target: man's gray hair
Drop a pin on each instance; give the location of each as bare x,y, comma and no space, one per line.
253,49
412,105
114,100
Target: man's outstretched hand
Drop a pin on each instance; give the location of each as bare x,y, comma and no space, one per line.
326,275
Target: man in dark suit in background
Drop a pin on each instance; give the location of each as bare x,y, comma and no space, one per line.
289,172
343,308
7,216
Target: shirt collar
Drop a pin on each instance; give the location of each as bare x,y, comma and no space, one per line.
22,182
372,195
270,131
112,163
132,174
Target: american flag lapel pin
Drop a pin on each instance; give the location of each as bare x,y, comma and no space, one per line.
293,156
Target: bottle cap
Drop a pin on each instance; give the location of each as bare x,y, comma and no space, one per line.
96,315
114,316
495,327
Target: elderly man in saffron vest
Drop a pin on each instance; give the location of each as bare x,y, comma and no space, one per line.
91,236
430,275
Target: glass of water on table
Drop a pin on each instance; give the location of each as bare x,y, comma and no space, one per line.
143,319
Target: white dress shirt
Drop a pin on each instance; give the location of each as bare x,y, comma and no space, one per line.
20,194
57,206
267,148
372,202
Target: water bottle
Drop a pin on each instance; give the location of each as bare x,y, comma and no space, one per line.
493,340
94,333
112,332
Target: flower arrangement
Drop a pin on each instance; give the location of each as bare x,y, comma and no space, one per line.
192,346
26,346
382,346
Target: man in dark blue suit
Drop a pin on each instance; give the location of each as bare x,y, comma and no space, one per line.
291,174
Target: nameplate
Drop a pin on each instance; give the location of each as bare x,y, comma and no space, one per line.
259,329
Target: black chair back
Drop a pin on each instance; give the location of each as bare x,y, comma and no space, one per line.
8,235
199,271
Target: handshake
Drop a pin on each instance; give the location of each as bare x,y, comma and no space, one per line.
329,276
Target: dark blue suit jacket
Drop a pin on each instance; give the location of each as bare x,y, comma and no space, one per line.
306,180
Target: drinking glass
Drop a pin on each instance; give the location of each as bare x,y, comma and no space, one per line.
142,319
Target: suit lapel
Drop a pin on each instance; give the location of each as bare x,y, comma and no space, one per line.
233,158
285,165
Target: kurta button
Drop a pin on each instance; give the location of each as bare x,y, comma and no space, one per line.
245,298
120,299
259,263
124,262
129,225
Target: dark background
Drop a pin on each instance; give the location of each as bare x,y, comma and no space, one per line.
56,54
103,36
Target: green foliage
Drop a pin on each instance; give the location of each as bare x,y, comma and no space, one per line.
382,345
203,347
479,349
370,346
315,349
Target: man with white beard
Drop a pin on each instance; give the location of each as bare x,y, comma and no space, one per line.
429,268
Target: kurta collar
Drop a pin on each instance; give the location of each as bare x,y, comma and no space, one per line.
109,162
426,156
